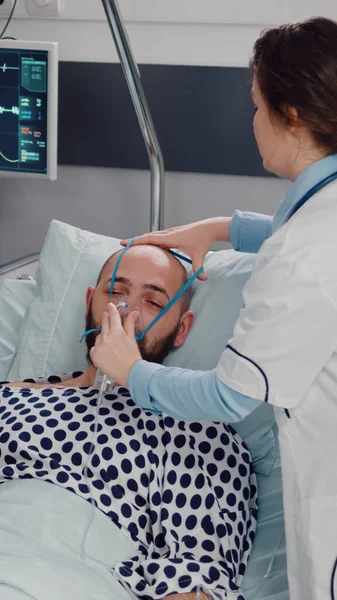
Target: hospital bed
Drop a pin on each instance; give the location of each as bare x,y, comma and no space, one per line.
41,319
41,322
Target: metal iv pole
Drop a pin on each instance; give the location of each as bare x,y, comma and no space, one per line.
133,79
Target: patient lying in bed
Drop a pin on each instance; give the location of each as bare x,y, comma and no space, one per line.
183,493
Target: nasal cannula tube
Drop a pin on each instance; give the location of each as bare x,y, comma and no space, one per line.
104,384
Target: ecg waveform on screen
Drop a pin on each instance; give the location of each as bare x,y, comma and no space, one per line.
14,110
5,68
8,159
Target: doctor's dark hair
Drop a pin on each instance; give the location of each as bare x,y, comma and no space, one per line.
185,299
296,66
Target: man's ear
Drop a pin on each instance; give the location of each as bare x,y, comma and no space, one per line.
88,296
186,322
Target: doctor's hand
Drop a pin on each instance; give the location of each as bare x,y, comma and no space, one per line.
195,240
116,350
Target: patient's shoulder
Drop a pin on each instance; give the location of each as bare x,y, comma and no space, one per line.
24,384
52,381
31,384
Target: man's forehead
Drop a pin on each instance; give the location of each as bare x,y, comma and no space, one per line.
152,260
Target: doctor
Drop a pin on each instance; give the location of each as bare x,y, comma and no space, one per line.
284,345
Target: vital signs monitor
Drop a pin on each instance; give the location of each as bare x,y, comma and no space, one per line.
28,109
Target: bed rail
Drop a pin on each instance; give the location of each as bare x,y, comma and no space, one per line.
19,263
133,80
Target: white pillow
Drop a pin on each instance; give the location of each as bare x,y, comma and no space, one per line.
16,296
70,261
216,304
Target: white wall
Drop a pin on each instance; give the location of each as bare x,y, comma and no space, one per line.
188,32
116,202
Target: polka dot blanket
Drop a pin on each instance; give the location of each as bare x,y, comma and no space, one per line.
184,492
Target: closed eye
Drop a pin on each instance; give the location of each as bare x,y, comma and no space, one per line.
155,304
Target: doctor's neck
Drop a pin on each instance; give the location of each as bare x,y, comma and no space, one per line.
306,155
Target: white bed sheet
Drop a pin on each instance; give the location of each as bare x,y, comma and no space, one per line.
42,528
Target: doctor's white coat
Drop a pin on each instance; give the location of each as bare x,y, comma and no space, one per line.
284,351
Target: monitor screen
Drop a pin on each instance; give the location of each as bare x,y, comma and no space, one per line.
28,109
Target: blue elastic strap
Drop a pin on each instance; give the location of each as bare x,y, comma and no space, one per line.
111,285
181,256
89,331
172,301
176,297
167,307
117,265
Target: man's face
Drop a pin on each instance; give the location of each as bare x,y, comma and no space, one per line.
147,279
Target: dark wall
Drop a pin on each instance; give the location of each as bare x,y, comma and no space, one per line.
203,118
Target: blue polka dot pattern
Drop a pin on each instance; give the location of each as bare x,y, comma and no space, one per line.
185,493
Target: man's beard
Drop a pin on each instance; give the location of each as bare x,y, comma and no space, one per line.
155,353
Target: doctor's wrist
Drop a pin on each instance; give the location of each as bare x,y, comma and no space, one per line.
221,228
